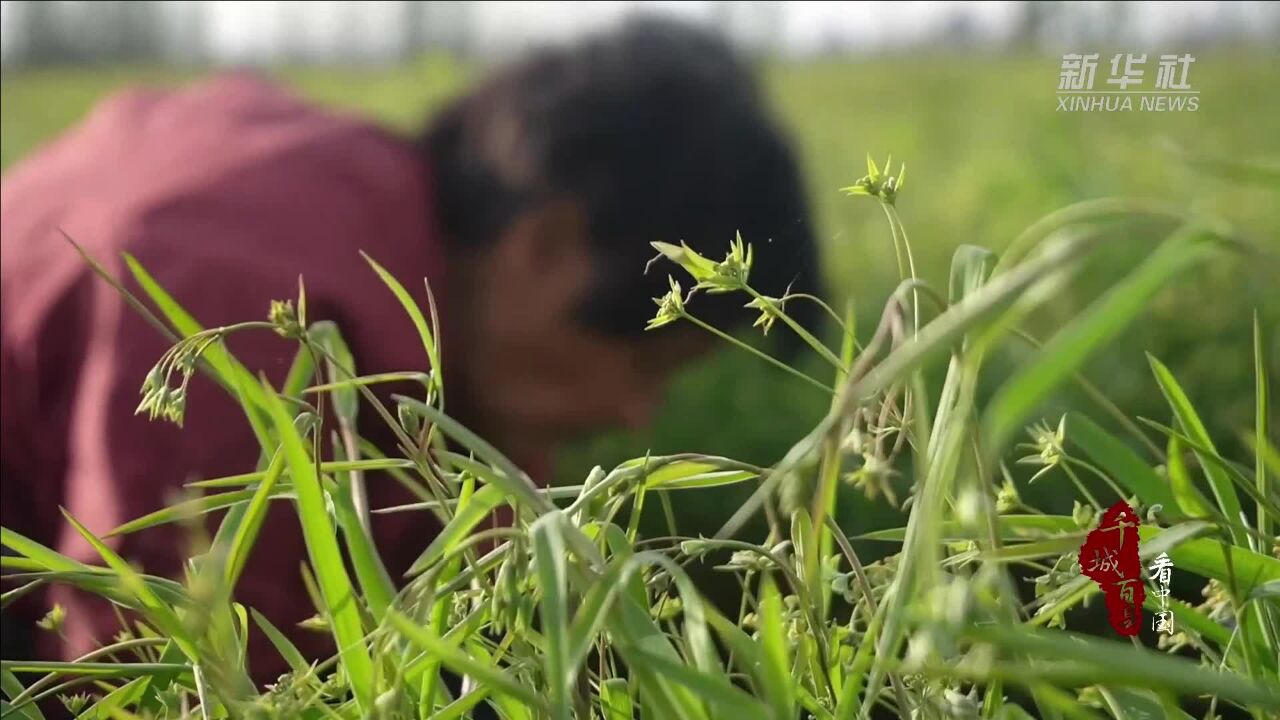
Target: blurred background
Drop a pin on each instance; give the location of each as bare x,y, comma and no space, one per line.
963,92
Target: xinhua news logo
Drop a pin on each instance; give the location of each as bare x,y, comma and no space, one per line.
1128,87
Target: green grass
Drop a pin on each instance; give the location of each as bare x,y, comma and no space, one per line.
988,155
958,606
571,615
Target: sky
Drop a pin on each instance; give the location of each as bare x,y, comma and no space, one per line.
249,30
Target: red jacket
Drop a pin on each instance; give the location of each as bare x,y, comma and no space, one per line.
226,192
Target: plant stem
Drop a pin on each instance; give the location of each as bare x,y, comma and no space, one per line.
763,356
805,335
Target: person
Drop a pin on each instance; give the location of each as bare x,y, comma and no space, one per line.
527,204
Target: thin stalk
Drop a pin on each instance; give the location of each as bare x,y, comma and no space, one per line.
844,328
1097,471
1082,488
805,335
762,355
896,227
1104,402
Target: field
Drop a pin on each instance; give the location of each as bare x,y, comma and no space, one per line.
988,157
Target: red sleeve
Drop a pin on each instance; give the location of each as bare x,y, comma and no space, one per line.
226,193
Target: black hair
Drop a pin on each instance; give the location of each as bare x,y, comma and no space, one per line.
660,132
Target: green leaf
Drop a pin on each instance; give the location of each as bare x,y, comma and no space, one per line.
101,581
1095,661
415,314
187,509
1266,591
463,705
1121,463
776,673
1223,490
475,511
716,691
615,700
246,533
462,663
1129,704
366,380
1235,472
514,482
971,267
227,371
120,698
300,373
375,582
1189,498
695,480
282,644
698,267
550,561
747,653
639,641
1106,318
341,366
43,556
1205,557
12,687
1262,414
327,467
593,609
95,669
1011,528
157,611
340,601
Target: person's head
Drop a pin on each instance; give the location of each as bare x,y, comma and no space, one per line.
551,179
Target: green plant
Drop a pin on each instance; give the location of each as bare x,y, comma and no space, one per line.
572,612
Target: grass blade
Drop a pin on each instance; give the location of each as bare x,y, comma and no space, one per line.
714,690
12,687
1098,661
415,314
1223,490
776,673
462,663
1262,418
549,560
187,510
326,558
475,511
251,522
119,698
615,701
1102,322
510,478
328,466
282,644
1122,464
157,611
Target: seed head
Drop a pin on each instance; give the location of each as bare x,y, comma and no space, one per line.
54,619
881,185
770,310
285,319
1048,446
75,704
670,306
